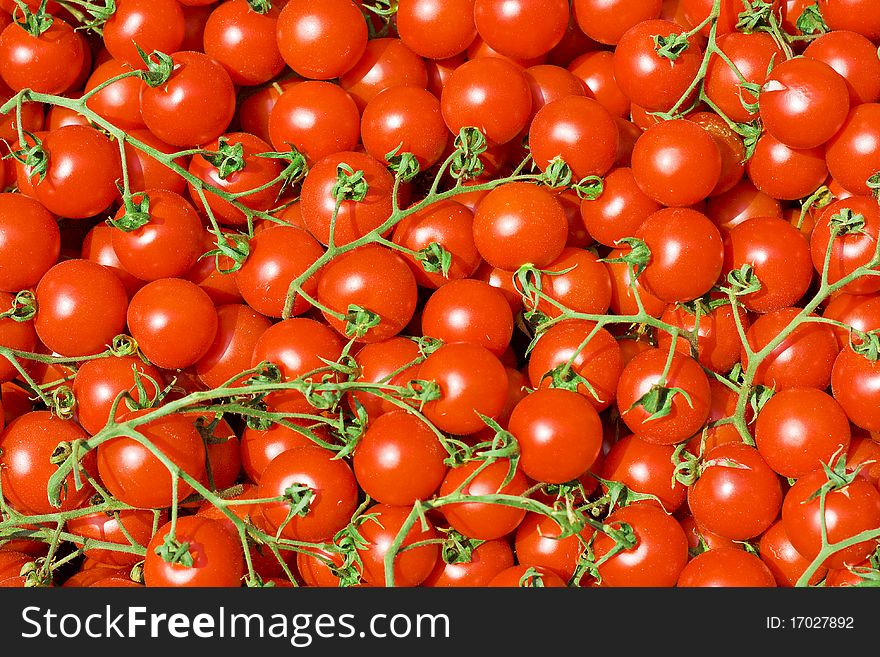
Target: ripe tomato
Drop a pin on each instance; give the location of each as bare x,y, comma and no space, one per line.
278,255
386,63
377,362
98,382
217,557
173,321
647,78
81,308
642,377
469,311
803,359
549,83
526,576
779,257
519,223
30,242
646,468
657,558
620,209
238,330
316,118
15,335
741,202
598,361
853,154
49,63
559,435
321,39
80,180
134,475
27,446
486,560
259,446
490,94
854,380
118,102
244,42
606,22
578,130
780,556
471,381
115,528
521,29
379,532
861,312
435,29
354,219
852,248
677,163
582,285
537,543
687,254
786,173
219,286
195,106
852,56
726,567
849,510
596,70
145,172
399,460
328,482
855,15
407,117
482,520
718,341
151,24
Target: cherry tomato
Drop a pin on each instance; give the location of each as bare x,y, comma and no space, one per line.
15,335
726,567
469,311
238,330
853,154
30,242
740,203
538,544
146,172
786,173
216,553
244,42
856,15
477,568
606,22
118,102
436,29
386,63
115,528
577,280
718,341
645,468
379,530
845,234
854,380
853,57
151,24
780,556
49,63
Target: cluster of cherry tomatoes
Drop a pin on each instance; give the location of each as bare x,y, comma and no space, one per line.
439,292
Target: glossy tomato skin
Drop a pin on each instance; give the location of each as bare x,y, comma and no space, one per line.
786,173
645,468
578,130
486,561
316,118
399,460
596,70
522,29
374,278
741,202
278,255
238,330
145,172
435,29
726,567
449,224
377,362
620,209
387,62
195,106
118,102
411,567
151,25
218,560
332,485
657,559
520,223
244,42
469,311
599,362
31,242
687,254
49,63
848,511
677,163
578,281
537,542
853,154
490,94
852,56
861,312
138,523
606,22
134,475
82,307
354,218
718,339
738,495
848,250
321,40
798,429
80,180
524,576
648,79
472,381
26,446
559,435
804,358
855,381
483,520
173,321
14,335
98,382
779,257
784,561
856,15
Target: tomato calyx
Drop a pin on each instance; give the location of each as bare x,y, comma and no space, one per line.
32,156
381,7
687,465
350,185
532,578
657,402
638,256
868,344
404,164
742,281
562,376
434,259
671,46
228,159
838,475
847,222
23,308
175,552
137,212
294,171
237,251
159,67
36,573
811,20
758,397
260,6
469,144
63,402
759,14
299,497
34,22
123,345
619,495
359,321
456,548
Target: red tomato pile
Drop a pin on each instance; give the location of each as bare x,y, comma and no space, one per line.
440,293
